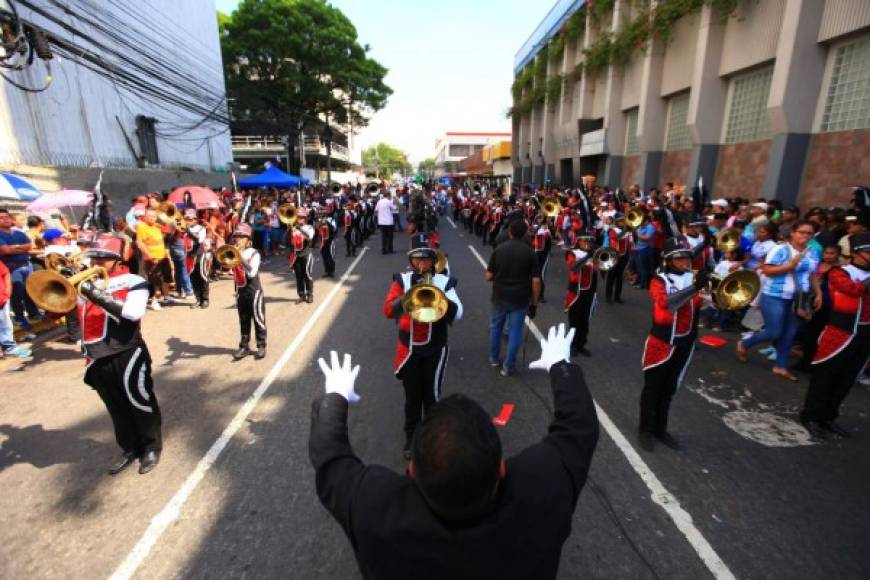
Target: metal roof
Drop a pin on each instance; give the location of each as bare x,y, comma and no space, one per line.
549,26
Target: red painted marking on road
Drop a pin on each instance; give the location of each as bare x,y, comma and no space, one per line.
714,341
506,411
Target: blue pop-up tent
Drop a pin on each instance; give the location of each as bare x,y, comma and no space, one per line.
273,177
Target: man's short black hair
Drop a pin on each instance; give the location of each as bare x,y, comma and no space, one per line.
457,453
517,229
33,221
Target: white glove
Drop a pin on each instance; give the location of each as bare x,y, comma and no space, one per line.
555,348
340,378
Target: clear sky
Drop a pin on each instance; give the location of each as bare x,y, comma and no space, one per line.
450,62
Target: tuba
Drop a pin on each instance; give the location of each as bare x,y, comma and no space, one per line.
287,213
57,294
425,302
736,290
604,259
728,240
633,218
551,207
228,256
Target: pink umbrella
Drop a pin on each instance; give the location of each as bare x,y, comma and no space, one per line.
201,197
64,198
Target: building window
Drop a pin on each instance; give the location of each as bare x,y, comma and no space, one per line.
678,129
848,103
631,146
747,117
476,148
459,151
145,130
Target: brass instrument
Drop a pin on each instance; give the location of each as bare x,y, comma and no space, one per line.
728,240
633,218
425,302
440,261
57,294
167,212
287,214
372,187
604,259
62,264
551,207
335,188
228,256
736,290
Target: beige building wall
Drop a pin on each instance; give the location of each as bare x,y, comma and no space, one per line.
680,56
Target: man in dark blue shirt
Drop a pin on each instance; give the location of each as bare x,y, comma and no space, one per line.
14,253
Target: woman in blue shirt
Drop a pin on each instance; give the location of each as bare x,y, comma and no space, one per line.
788,267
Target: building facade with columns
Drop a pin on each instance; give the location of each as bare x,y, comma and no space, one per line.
757,97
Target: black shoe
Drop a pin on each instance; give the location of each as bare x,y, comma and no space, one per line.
838,430
148,462
241,353
310,298
584,351
125,462
668,440
203,304
260,353
646,440
814,428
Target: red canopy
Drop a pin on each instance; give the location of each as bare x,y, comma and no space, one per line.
202,197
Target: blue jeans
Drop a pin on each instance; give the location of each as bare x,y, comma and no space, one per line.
514,321
780,326
643,263
182,278
21,302
7,338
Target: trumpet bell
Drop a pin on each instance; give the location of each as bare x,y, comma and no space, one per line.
56,294
551,207
425,302
287,214
228,256
605,259
728,240
736,290
634,218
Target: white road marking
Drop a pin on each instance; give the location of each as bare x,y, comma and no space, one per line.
172,510
658,493
451,222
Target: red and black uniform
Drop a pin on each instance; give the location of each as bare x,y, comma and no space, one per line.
421,351
118,363
249,298
326,235
580,298
620,241
542,243
844,345
198,262
669,346
350,221
300,240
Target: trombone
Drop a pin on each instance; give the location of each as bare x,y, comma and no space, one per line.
728,240
57,294
425,302
64,265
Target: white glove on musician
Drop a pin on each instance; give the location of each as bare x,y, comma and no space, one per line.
340,378
555,348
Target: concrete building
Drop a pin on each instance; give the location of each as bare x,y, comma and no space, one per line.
455,146
136,89
772,99
491,164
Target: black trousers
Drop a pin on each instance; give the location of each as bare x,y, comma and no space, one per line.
659,385
387,238
613,281
579,315
252,310
350,241
543,262
422,376
327,252
832,380
73,326
302,268
124,383
199,279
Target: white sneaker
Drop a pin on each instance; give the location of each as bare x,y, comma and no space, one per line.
154,305
864,380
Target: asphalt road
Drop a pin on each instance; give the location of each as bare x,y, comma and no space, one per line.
753,497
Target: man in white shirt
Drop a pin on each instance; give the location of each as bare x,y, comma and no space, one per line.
384,212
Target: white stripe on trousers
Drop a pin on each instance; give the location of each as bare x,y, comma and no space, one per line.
259,317
127,372
439,373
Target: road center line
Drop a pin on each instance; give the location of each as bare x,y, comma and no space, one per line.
172,510
658,493
451,222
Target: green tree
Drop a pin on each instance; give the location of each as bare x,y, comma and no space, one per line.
427,167
287,61
382,160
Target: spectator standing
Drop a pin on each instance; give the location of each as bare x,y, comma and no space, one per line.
384,211
513,269
15,254
7,336
155,262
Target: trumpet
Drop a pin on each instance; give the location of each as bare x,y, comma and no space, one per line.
57,294
551,207
287,214
634,218
228,256
425,302
604,259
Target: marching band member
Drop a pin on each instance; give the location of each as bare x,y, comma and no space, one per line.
844,344
301,237
580,298
199,258
326,233
542,242
249,295
421,351
671,342
351,224
118,363
619,238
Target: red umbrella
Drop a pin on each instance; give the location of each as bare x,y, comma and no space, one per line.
201,197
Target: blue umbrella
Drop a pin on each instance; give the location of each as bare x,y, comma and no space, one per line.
14,187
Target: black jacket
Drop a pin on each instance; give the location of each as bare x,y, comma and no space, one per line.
395,535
